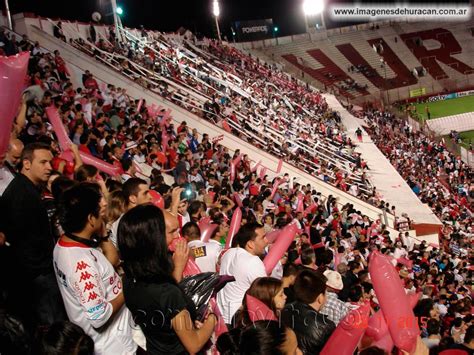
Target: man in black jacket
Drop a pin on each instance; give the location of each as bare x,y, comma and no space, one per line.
312,328
349,279
33,291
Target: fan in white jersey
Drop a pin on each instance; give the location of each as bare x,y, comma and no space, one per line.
90,287
205,254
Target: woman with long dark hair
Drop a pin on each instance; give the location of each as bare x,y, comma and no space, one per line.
267,290
159,306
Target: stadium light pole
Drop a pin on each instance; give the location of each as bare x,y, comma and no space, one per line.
216,11
9,16
275,34
116,11
313,8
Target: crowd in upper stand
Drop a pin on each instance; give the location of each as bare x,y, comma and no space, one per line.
445,182
255,101
82,253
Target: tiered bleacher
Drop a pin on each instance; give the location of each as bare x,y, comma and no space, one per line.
294,124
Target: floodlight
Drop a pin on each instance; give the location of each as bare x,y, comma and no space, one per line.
119,11
215,8
313,7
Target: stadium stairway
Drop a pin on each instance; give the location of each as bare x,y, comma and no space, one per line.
385,177
79,62
404,75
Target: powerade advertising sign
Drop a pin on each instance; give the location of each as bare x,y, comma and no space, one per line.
451,96
255,30
442,97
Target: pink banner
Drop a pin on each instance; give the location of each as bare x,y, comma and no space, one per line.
12,79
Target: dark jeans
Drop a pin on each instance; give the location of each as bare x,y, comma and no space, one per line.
48,303
37,302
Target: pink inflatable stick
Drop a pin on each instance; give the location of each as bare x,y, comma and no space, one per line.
286,236
58,127
238,200
254,169
100,164
388,287
206,231
273,235
12,79
234,227
346,336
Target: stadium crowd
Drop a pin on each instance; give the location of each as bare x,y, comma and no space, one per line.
255,101
90,265
446,183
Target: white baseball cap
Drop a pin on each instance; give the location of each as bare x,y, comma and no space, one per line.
334,279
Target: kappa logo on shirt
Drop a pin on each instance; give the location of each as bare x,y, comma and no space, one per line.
85,276
81,265
199,252
88,286
92,296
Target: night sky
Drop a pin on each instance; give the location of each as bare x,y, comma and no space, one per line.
167,16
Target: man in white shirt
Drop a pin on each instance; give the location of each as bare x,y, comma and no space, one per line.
244,263
195,176
205,254
399,251
90,287
441,305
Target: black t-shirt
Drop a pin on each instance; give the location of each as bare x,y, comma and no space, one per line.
153,306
